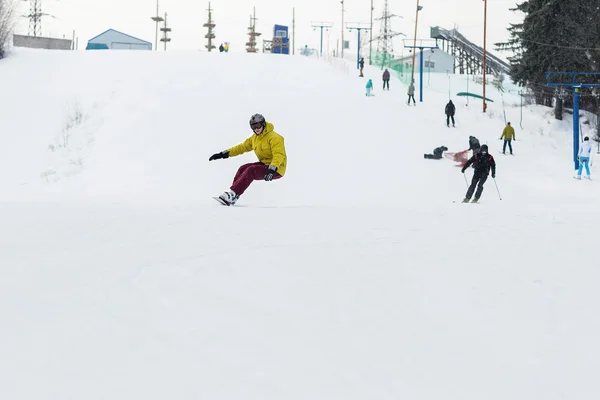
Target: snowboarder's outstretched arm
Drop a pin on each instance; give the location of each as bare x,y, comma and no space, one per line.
241,148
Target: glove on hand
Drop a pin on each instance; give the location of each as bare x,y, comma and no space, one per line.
270,173
493,176
462,170
223,154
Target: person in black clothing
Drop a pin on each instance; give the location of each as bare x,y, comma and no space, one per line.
450,110
362,65
437,153
474,144
482,162
221,48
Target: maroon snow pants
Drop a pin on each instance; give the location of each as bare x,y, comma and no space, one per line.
248,173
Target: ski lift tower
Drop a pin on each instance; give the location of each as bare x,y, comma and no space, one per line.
423,44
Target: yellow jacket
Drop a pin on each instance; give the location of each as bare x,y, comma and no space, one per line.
268,147
508,133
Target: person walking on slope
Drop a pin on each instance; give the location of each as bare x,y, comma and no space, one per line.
450,110
362,65
585,152
474,145
369,87
482,162
411,94
269,148
386,79
508,134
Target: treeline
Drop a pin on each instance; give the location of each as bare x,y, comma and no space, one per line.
556,36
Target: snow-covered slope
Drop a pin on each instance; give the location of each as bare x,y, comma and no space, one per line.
355,276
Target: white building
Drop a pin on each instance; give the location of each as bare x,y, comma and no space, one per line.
115,40
434,60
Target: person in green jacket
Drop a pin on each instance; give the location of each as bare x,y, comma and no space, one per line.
508,134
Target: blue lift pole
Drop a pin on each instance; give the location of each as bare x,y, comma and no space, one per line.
576,93
321,25
421,66
358,28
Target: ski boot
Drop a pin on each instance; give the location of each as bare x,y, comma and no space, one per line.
465,200
229,198
475,200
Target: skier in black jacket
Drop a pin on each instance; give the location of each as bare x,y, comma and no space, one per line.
482,162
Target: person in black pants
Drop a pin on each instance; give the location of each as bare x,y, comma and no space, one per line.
482,162
437,153
450,110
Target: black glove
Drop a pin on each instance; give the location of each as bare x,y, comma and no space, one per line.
270,173
462,170
493,176
223,154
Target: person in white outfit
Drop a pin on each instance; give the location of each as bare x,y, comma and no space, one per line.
585,152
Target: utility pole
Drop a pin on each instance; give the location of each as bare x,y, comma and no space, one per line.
165,30
385,44
321,25
156,19
342,28
371,35
210,25
412,78
293,30
484,51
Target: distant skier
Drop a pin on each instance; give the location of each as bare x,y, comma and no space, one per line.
221,48
482,162
269,148
585,152
474,144
450,110
411,94
361,63
508,134
369,87
386,79
437,153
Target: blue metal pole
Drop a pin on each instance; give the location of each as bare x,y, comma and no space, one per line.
358,52
321,50
421,75
576,126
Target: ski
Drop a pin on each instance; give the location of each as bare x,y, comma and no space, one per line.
220,200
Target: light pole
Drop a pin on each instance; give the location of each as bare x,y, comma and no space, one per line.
412,78
342,28
371,35
156,19
484,51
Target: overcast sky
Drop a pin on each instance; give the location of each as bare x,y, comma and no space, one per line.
91,17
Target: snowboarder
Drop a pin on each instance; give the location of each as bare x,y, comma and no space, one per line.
386,79
585,151
437,153
411,94
474,144
508,134
369,87
269,148
450,110
362,65
482,162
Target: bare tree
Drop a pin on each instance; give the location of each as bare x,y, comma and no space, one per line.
7,21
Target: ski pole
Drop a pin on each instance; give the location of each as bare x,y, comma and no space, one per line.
466,183
497,189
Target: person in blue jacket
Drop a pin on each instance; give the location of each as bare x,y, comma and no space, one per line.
369,87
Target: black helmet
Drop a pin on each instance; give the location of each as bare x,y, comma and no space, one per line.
257,119
484,148
586,138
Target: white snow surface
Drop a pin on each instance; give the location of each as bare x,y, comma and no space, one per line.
353,277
